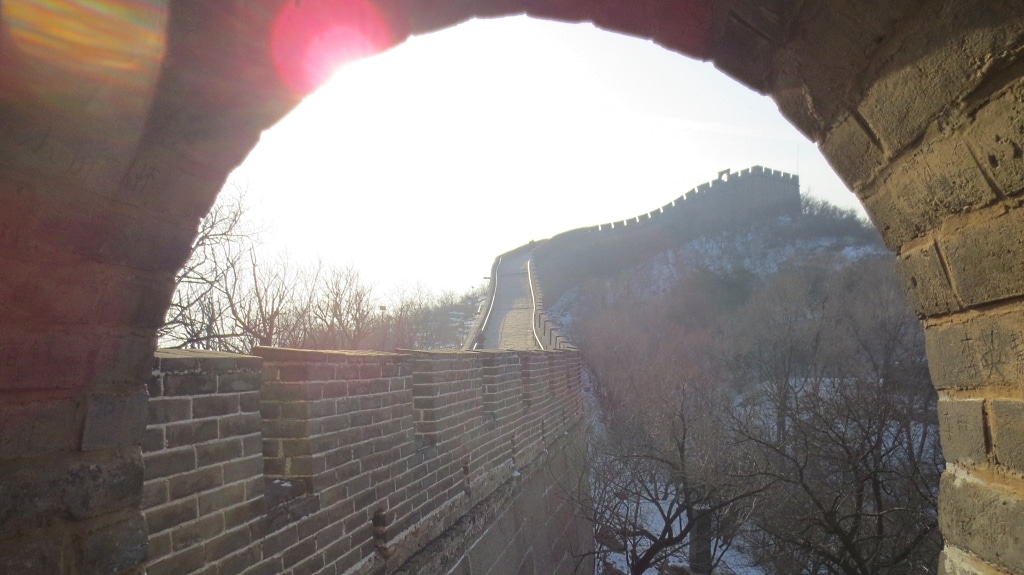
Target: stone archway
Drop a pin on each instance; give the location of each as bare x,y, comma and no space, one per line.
106,169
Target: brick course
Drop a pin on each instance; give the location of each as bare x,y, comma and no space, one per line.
337,462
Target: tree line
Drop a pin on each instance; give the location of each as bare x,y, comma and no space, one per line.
232,295
786,422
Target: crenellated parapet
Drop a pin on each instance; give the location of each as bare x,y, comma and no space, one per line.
737,194
732,201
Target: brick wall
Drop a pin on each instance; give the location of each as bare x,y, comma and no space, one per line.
350,462
203,496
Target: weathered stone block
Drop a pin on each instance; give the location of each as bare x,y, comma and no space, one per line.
986,263
168,409
189,383
998,136
1007,418
190,432
167,516
952,561
196,532
962,430
745,54
114,548
113,421
242,469
180,486
30,429
925,281
937,180
172,462
214,405
227,543
32,556
979,516
187,561
986,350
218,452
241,381
939,61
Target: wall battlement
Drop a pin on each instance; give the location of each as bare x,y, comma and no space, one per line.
733,201
740,193
348,462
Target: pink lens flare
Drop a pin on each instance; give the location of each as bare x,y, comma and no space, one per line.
311,39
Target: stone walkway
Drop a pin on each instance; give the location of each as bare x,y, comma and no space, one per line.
511,323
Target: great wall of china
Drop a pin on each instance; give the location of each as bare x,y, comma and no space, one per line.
110,163
309,462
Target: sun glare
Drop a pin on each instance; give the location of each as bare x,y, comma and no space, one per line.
479,138
311,39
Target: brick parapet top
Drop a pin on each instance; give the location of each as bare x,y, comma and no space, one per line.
190,360
284,354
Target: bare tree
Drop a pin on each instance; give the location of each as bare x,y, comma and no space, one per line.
198,317
847,432
667,487
269,302
342,310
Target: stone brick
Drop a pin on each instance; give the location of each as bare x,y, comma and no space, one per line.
975,515
227,543
39,427
925,280
154,493
114,421
1007,420
166,463
189,384
170,515
998,136
240,562
986,263
190,432
187,561
952,561
32,556
986,350
114,548
239,382
218,452
921,189
192,482
245,512
280,540
852,153
939,61
745,54
214,406
196,532
298,552
243,469
54,359
962,430
168,409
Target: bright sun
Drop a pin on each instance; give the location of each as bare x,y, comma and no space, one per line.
423,163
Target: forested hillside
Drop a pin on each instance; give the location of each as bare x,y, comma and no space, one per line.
765,405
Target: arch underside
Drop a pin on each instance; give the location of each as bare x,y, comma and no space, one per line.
918,106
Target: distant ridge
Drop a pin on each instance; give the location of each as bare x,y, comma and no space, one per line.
732,201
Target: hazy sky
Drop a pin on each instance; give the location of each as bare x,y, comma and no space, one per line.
424,163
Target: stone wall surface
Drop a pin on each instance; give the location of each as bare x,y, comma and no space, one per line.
107,164
303,462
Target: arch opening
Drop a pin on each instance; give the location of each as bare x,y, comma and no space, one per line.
902,102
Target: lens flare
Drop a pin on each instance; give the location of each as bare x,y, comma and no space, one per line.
57,44
312,38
